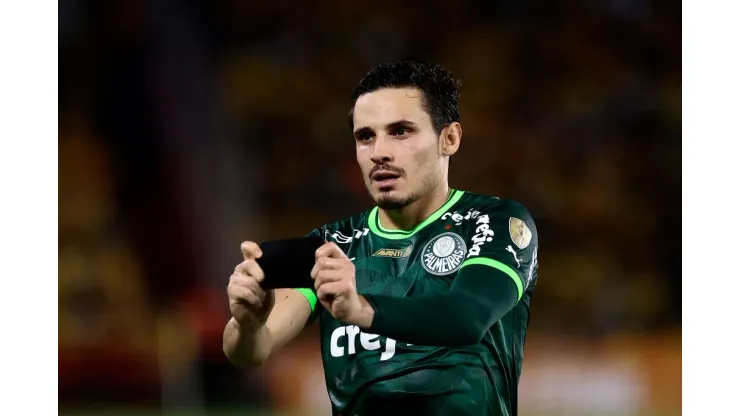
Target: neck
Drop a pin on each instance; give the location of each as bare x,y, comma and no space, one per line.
416,212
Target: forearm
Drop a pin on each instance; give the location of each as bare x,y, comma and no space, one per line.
252,346
459,317
246,347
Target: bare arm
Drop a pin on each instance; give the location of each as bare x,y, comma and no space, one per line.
251,346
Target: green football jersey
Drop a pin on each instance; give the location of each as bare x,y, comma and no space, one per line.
371,374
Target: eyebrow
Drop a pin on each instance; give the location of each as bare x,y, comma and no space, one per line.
395,124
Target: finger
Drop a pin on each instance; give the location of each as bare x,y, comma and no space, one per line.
249,283
326,263
315,270
250,250
330,249
241,268
244,295
250,268
254,270
329,291
336,252
327,276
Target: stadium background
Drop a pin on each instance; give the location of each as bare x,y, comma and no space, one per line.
186,127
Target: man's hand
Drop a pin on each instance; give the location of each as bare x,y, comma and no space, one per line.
249,303
334,280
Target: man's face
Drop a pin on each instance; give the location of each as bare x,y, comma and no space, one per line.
397,148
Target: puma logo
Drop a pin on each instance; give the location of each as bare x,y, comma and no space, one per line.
511,250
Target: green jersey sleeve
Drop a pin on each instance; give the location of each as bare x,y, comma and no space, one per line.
504,237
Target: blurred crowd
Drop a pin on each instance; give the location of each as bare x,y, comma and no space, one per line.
187,127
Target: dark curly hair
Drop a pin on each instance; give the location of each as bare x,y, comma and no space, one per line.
440,90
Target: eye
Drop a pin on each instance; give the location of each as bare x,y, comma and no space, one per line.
363,136
399,131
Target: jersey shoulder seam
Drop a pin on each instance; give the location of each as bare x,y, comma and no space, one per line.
495,202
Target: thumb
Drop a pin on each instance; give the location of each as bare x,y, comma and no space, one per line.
250,250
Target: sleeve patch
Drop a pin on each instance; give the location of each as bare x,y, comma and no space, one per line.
520,234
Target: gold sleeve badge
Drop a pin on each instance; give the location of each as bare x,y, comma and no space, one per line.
519,233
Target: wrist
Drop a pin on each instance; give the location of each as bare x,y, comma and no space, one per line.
247,329
365,314
250,344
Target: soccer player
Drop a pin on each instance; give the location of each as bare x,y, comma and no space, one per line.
423,300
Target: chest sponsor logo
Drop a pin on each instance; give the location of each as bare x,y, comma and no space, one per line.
394,252
459,218
443,254
483,235
520,234
344,342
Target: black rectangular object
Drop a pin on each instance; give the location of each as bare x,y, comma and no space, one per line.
287,263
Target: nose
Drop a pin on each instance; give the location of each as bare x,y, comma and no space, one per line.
381,151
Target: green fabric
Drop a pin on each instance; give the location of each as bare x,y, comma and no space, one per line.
310,297
376,228
449,325
478,298
498,266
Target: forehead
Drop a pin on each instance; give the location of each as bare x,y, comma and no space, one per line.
388,105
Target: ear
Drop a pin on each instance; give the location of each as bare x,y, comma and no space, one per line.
450,139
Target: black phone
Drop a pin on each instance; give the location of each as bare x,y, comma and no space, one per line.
287,263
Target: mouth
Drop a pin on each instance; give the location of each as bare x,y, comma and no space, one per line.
385,179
